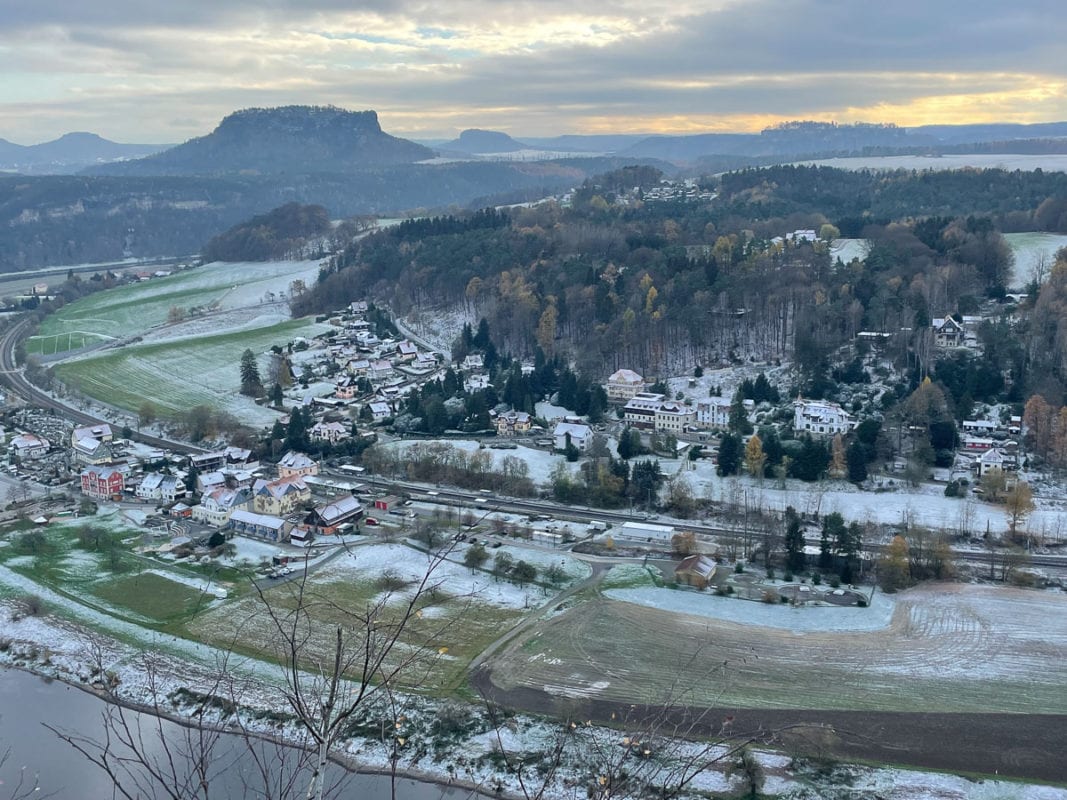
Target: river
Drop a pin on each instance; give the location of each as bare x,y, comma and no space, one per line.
28,704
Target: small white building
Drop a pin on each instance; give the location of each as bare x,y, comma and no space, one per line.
580,435
643,532
994,460
157,486
474,362
28,445
821,418
715,412
948,332
623,384
332,432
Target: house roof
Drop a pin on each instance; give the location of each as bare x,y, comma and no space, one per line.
152,480
698,564
627,376
576,431
102,472
296,460
340,509
26,440
260,520
281,487
92,432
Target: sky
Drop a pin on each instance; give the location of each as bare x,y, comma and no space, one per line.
167,70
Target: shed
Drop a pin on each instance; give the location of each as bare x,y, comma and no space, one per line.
696,570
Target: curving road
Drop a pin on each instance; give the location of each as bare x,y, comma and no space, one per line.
12,376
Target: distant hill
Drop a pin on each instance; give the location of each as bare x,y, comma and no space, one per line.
287,140
284,232
69,153
478,141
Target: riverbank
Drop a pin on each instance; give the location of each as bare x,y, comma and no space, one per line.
450,747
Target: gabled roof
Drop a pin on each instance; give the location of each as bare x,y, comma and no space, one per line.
698,564
340,509
575,430
296,460
281,487
627,376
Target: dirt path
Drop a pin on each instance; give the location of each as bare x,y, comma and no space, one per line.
1027,746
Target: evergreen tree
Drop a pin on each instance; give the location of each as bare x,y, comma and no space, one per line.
251,384
834,533
729,454
857,462
276,396
794,541
738,422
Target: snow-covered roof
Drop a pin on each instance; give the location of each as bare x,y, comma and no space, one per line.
342,507
261,520
296,460
627,376
575,430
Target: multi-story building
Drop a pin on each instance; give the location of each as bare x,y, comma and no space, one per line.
103,483
623,385
821,418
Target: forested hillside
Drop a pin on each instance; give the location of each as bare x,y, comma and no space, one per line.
615,281
282,233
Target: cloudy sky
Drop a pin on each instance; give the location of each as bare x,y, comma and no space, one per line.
166,70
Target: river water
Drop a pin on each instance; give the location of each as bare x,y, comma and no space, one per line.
29,703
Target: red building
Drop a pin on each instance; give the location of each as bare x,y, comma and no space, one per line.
103,483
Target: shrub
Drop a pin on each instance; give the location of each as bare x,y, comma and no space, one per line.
816,579
783,599
391,582
729,589
861,603
770,597
787,576
739,567
835,582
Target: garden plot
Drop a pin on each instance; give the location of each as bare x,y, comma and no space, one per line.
540,463
176,376
949,648
135,308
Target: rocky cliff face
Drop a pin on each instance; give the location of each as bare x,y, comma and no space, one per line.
286,140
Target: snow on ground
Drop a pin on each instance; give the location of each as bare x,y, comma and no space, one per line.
726,380
549,412
925,504
373,561
223,322
539,462
200,584
849,249
1029,250
898,784
250,551
748,612
574,568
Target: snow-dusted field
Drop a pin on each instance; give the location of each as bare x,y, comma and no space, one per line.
372,561
136,308
1031,249
540,462
728,609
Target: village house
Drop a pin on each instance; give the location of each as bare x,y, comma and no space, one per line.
239,458
298,464
157,486
512,423
640,410
332,432
821,418
216,506
994,460
259,526
210,481
406,352
358,307
91,452
325,520
103,483
281,496
474,362
948,332
714,413
579,435
207,462
696,571
380,410
673,417
346,388
101,433
623,385
358,367
28,446
380,370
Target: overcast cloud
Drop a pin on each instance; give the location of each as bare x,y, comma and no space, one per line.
163,71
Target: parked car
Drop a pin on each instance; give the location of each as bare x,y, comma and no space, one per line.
370,521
